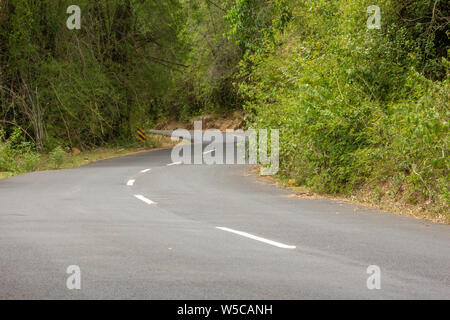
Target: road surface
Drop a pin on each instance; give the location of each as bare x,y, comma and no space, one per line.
141,227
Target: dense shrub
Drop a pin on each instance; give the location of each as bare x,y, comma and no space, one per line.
57,156
16,154
357,108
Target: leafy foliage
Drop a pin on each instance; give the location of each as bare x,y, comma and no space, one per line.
357,108
86,87
16,154
57,156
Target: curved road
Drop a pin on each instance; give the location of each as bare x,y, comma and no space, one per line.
204,232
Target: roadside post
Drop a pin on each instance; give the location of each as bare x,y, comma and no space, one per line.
141,135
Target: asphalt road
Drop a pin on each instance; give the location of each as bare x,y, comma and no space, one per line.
154,234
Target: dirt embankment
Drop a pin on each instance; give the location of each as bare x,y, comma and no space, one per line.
233,121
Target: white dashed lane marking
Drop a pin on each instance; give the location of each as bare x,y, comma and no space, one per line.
144,199
250,236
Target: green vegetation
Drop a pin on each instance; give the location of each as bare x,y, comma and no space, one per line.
18,158
359,110
16,154
57,156
90,86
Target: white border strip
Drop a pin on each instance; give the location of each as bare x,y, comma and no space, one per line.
250,236
145,171
142,198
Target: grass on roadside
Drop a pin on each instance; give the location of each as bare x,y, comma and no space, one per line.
59,159
437,213
4,175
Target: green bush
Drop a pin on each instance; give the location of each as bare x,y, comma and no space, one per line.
16,154
57,157
355,107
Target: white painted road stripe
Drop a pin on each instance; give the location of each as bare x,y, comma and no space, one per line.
130,183
142,198
174,164
210,151
145,171
250,236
